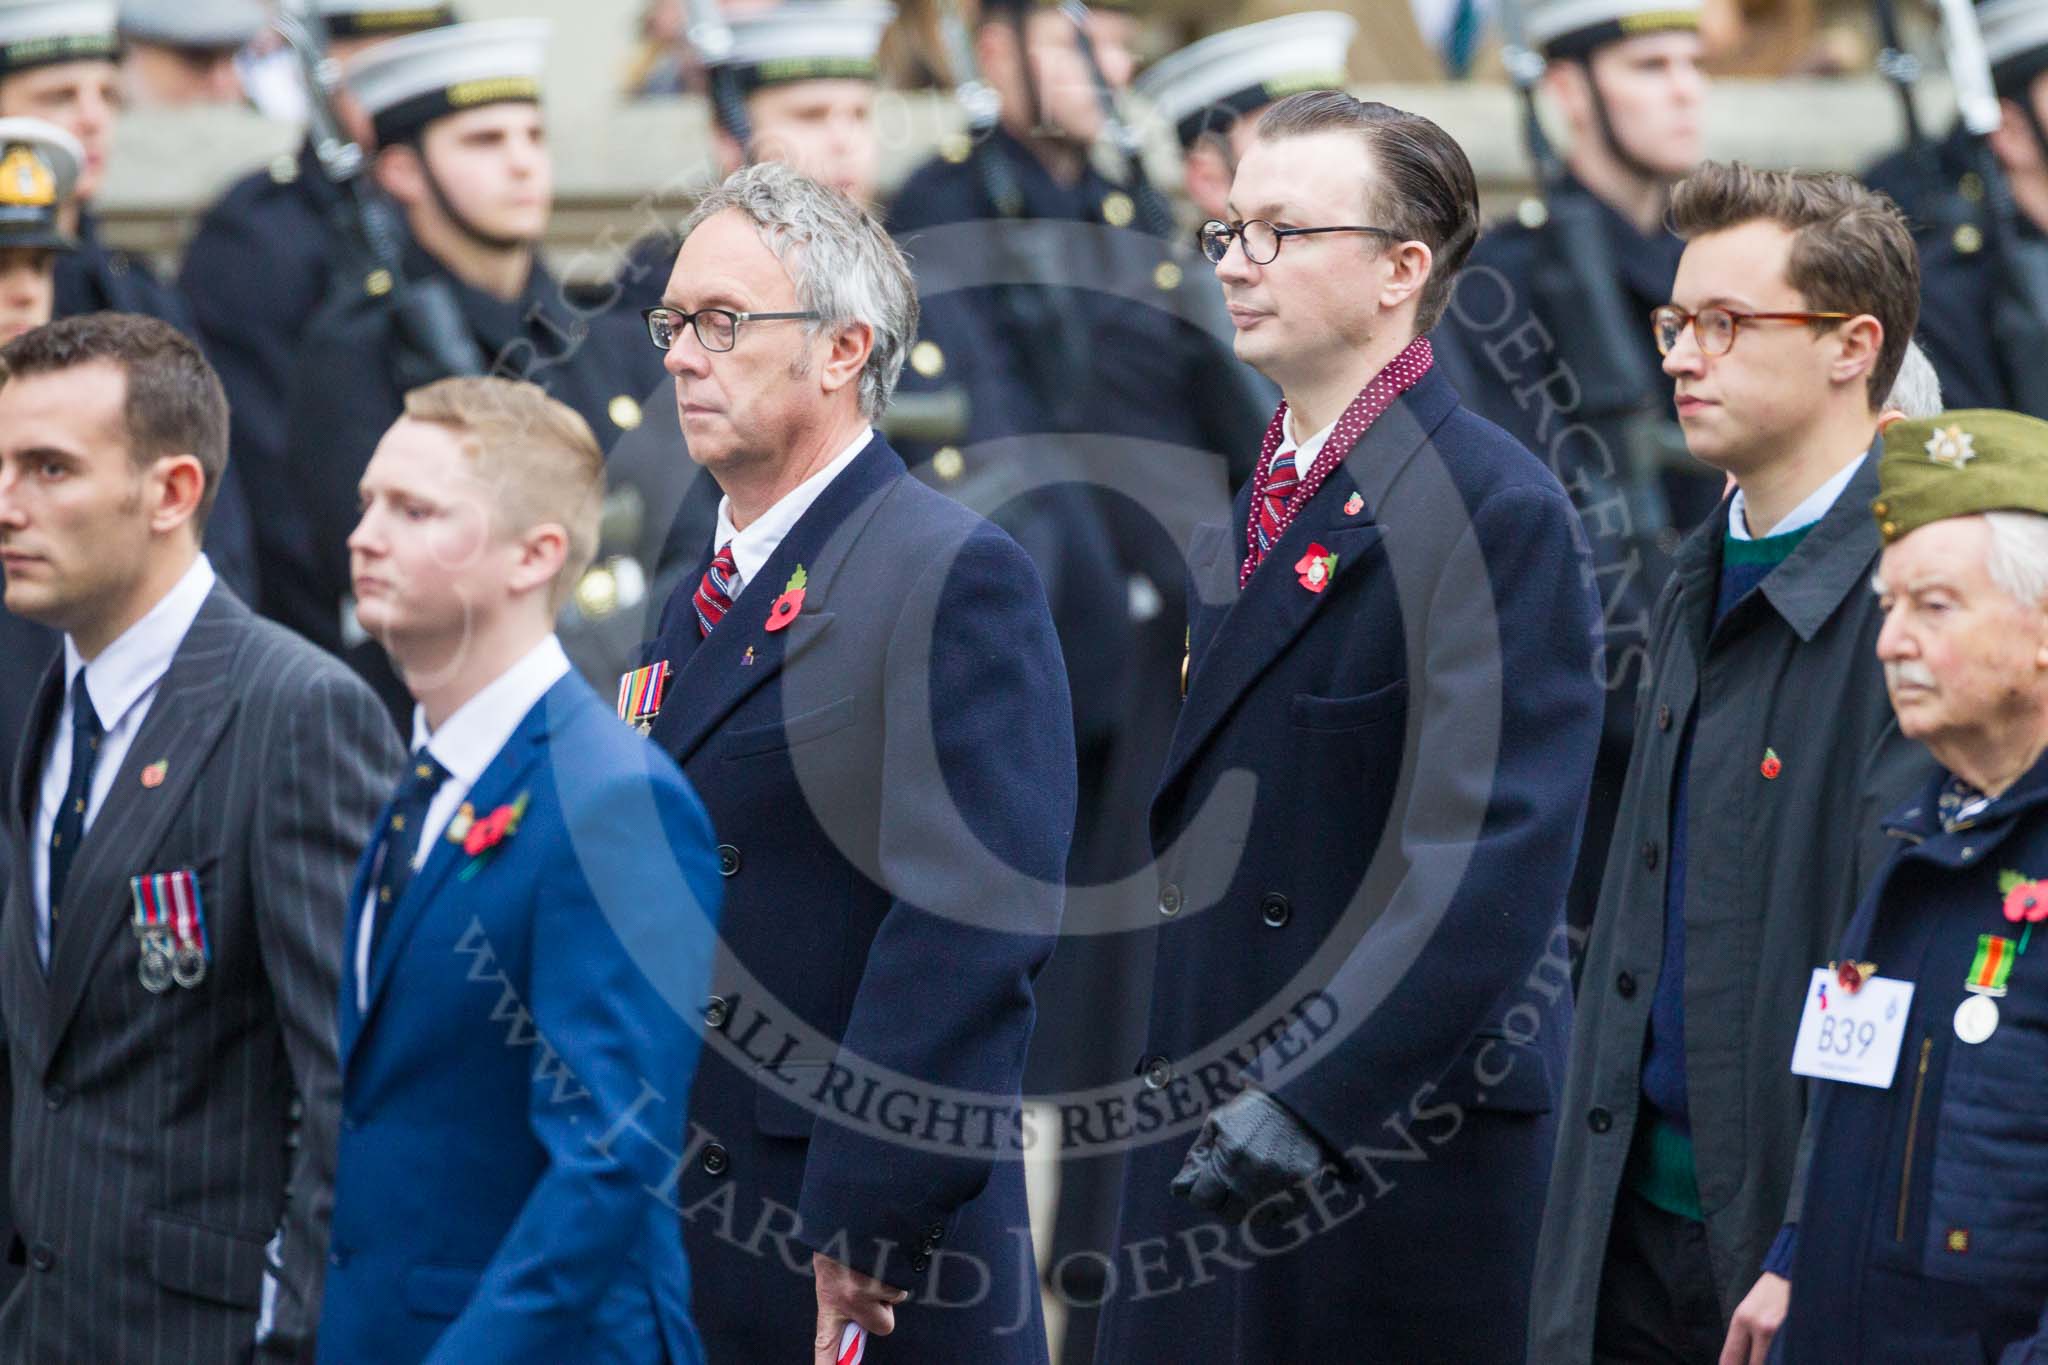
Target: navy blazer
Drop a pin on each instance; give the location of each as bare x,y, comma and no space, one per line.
495,1200
891,778
1364,833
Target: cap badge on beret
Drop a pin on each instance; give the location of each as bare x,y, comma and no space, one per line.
25,181
1958,464
1951,446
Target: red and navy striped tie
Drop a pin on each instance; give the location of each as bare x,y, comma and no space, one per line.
714,594
1280,486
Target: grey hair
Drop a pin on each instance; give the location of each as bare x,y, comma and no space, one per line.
2017,558
845,266
1917,390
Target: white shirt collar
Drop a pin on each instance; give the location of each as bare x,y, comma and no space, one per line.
1805,514
128,668
752,547
467,741
1305,452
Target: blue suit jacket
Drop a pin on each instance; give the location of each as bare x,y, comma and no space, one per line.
528,1045
1364,831
891,777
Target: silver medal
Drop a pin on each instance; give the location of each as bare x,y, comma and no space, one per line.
1976,1018
188,968
155,971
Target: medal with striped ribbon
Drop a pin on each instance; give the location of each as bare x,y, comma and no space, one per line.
1977,1017
640,694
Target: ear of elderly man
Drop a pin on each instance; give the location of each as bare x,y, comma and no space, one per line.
1924,1231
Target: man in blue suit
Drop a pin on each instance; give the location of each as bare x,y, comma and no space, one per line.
862,678
532,928
1342,1124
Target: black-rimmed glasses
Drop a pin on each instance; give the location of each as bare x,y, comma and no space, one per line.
1714,329
1260,240
716,328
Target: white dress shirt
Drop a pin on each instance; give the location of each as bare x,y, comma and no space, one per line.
465,745
1805,514
752,547
1304,452
122,683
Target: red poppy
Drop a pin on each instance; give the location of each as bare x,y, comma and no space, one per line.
1316,567
488,832
2027,902
785,608
1770,767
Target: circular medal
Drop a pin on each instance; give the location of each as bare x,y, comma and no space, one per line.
155,972
188,969
1976,1018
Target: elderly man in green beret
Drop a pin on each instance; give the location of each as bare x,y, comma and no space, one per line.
1924,1230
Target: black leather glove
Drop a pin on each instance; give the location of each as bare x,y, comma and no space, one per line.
1249,1150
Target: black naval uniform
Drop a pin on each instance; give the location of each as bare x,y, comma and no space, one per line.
1933,190
1064,377
97,278
1108,352
346,392
1497,352
255,273
1958,290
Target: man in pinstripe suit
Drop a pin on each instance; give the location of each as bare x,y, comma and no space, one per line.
207,779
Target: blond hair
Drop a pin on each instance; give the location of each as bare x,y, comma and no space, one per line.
535,451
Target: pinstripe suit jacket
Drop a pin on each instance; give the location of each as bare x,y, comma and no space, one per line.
160,1141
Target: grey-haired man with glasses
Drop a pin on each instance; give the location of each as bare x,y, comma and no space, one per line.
861,677
1765,752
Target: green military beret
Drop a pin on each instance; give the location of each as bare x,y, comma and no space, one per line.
1958,464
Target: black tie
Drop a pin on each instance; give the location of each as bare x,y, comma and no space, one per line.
401,836
69,830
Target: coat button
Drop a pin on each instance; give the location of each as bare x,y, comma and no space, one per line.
1599,1120
1625,986
1169,899
1650,854
42,1258
714,1160
716,1011
55,1097
1274,910
1157,1071
1663,717
337,1256
728,860
921,1262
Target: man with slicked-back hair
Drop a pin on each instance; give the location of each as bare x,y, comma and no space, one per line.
192,789
1343,1116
